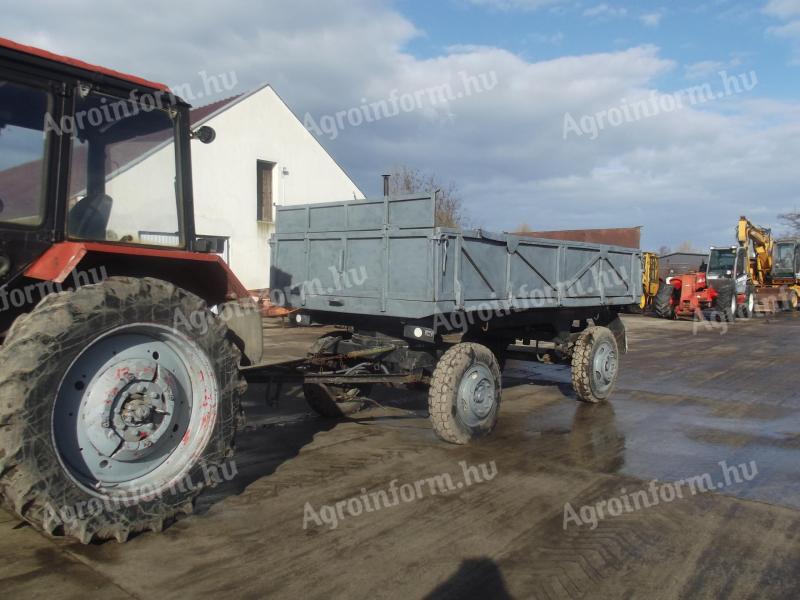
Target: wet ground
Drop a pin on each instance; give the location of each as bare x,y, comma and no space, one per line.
713,414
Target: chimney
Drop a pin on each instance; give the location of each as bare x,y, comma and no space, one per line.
386,185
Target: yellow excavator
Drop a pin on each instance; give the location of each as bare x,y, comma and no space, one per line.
785,274
772,270
650,279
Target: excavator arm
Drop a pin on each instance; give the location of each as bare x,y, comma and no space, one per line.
761,266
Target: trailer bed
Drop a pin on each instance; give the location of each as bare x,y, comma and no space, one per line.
386,258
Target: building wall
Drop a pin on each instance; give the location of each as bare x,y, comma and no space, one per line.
258,127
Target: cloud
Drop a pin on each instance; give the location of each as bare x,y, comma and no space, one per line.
652,19
554,39
605,11
504,147
787,10
782,8
706,68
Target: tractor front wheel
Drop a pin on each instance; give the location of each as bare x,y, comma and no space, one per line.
663,303
725,301
117,400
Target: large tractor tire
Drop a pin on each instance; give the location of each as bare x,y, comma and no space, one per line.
464,395
662,304
118,403
595,364
725,301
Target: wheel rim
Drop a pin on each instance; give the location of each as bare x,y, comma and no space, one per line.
733,305
604,366
134,411
751,303
476,395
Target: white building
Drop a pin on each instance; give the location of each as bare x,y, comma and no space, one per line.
262,156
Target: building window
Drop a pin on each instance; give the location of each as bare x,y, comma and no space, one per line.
264,186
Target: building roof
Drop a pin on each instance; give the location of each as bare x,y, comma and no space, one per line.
628,237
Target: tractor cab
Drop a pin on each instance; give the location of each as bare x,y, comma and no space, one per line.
95,169
89,161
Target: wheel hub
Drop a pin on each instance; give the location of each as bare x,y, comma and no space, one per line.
133,411
604,365
476,394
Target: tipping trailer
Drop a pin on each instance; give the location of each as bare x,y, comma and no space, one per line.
403,287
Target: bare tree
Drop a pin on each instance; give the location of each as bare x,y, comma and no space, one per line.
687,247
792,221
662,250
449,206
524,228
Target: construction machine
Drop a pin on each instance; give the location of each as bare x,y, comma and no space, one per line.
730,283
785,273
650,279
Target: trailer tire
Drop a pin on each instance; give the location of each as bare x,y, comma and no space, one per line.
323,400
464,394
41,479
725,301
662,303
595,364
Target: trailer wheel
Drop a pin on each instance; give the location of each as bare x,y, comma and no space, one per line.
331,401
725,301
662,303
595,364
464,395
114,408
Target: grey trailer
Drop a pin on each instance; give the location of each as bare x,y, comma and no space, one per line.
405,289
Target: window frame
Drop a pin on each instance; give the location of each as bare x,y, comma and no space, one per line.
50,152
178,149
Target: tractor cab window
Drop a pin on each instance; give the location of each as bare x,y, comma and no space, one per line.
23,112
721,262
123,172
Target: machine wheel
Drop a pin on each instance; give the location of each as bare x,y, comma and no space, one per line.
748,307
464,396
331,401
114,408
662,303
791,303
595,364
725,301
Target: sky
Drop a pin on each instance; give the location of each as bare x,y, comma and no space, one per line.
677,116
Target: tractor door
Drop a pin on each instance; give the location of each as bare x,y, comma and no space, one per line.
29,167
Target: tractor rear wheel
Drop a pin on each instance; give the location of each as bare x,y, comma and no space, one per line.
117,400
663,302
725,301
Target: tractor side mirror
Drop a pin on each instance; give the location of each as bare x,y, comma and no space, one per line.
205,134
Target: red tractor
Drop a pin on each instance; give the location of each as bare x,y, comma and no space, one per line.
722,289
119,381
